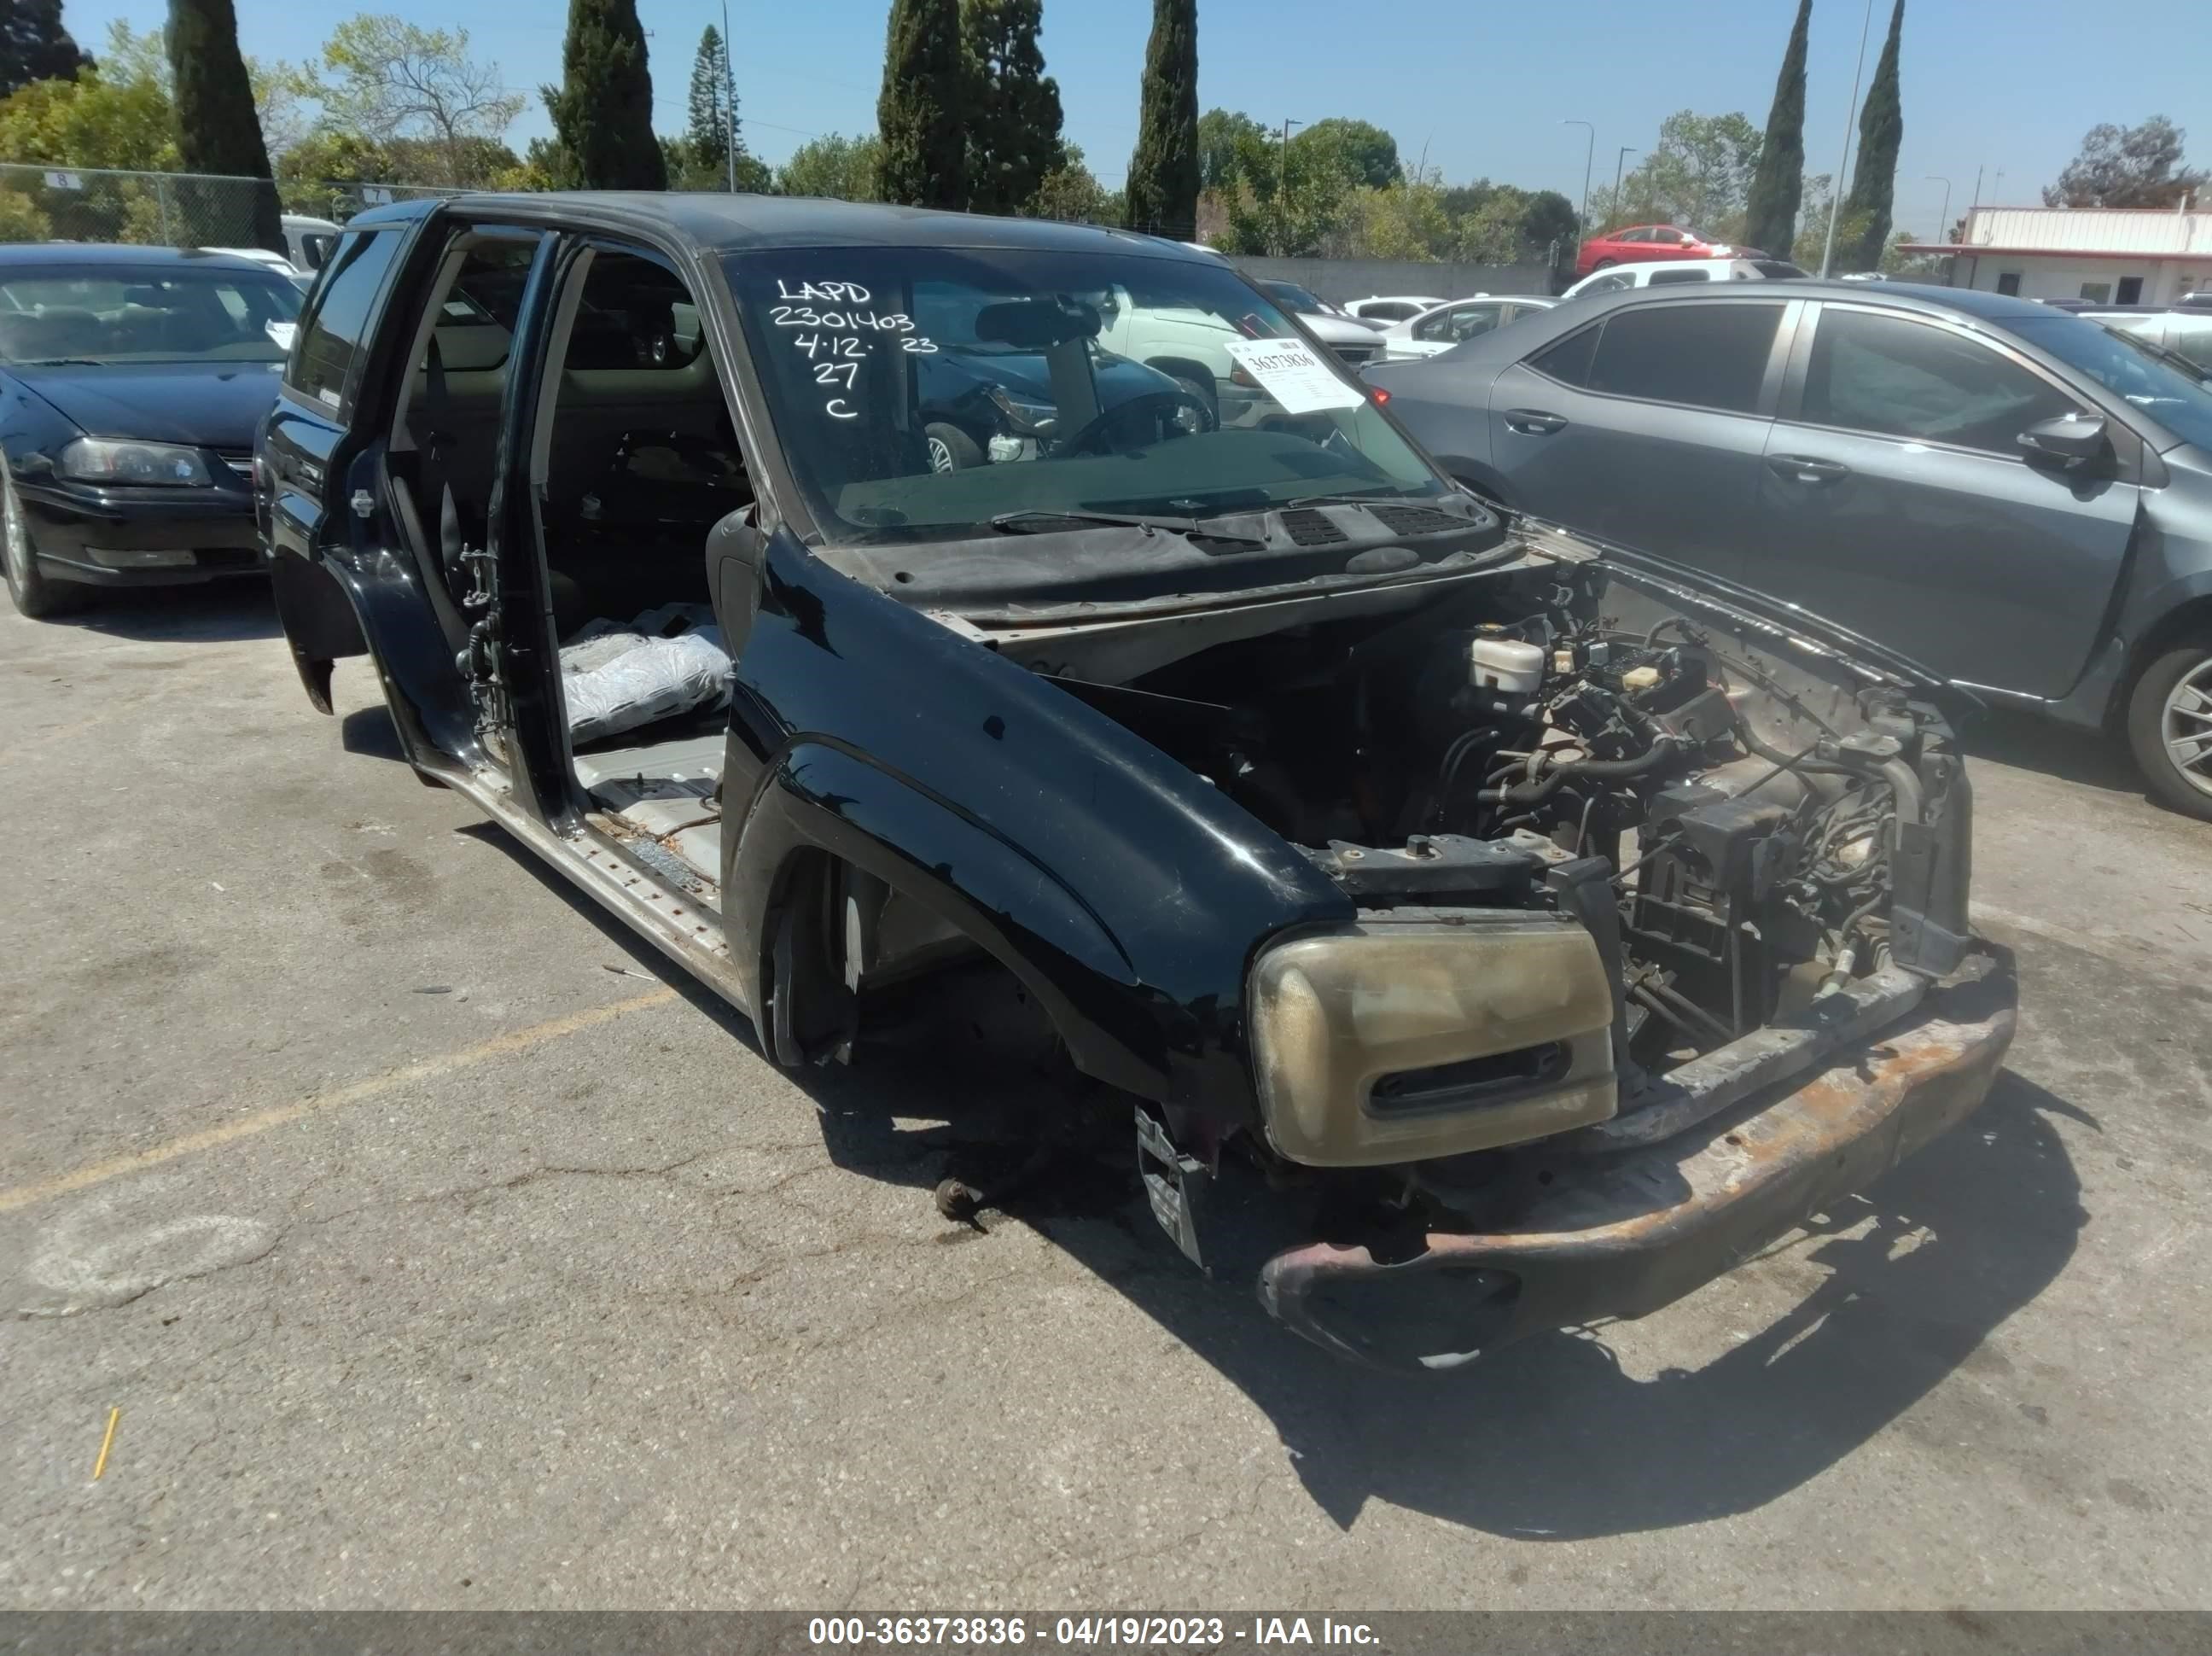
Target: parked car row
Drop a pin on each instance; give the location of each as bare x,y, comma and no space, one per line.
2017,497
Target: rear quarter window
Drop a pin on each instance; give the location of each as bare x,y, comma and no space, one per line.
1700,356
336,330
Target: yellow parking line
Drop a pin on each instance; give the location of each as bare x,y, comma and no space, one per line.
520,1040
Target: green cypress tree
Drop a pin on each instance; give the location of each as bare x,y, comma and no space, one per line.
1874,181
1013,126
1161,193
708,135
218,129
602,111
34,45
921,111
1770,218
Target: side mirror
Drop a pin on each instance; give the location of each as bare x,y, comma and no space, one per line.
2070,438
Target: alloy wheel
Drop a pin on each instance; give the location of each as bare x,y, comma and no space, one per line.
2186,727
15,541
940,455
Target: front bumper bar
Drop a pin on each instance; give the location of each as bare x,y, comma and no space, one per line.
1622,1235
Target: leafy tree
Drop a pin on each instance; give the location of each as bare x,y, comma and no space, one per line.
2128,166
218,129
550,166
1301,207
1547,216
711,106
1874,181
1222,140
1161,195
1371,153
388,79
921,114
1407,220
118,114
602,111
34,46
1071,194
841,168
1697,175
1777,185
1013,121
1813,235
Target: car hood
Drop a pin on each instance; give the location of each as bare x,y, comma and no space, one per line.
207,404
1339,330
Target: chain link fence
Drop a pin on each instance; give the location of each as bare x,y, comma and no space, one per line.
172,210
89,204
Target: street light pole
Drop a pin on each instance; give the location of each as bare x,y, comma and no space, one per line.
1589,153
1944,226
730,95
1283,188
1836,189
1626,150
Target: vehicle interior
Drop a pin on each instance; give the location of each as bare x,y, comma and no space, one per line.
637,458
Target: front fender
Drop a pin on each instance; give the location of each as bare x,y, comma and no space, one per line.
1128,892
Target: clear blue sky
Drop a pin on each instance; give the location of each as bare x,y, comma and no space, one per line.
2010,86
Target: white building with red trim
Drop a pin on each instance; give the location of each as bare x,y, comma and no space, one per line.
2111,255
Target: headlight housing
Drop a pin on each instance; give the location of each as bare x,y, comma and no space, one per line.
1391,1041
122,460
1024,417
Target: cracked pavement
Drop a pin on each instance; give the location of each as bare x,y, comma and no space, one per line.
434,1260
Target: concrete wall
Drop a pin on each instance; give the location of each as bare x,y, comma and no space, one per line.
1339,279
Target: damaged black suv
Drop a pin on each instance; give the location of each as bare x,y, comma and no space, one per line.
1487,930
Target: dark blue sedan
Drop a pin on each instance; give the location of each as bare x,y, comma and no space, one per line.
131,380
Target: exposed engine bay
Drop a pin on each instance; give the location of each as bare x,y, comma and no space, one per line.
1729,815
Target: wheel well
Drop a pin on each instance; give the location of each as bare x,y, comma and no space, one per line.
2192,619
1182,367
804,1009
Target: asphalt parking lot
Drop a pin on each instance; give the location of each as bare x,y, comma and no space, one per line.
439,1252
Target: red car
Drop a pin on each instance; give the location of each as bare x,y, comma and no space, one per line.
1643,243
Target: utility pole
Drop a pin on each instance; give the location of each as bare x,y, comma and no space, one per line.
1589,150
730,95
1283,189
1851,109
1943,225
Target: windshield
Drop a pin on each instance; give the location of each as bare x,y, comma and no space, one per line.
157,314
2182,406
1290,294
923,392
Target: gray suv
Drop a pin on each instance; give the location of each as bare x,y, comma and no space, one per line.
2012,495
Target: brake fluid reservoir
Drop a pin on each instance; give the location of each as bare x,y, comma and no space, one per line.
1505,664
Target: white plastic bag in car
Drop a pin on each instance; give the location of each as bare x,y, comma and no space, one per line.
620,678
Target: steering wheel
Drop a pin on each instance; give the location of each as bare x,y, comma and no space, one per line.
1090,435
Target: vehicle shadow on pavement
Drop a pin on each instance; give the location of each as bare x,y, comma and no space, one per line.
2091,757
1550,1439
1546,1440
217,612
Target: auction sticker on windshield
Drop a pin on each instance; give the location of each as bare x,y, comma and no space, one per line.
1288,371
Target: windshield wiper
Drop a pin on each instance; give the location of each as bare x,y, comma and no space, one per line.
63,362
1375,497
1190,528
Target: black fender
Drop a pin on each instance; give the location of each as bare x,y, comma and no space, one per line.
319,622
364,596
1125,891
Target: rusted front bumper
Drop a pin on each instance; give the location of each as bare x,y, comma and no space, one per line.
1620,1235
